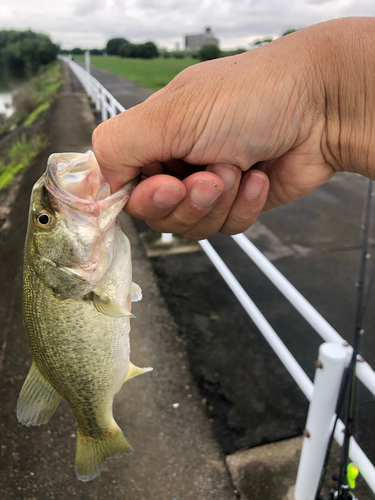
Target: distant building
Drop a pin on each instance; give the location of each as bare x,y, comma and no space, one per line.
196,42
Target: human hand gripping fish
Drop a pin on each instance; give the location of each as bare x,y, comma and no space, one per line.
77,306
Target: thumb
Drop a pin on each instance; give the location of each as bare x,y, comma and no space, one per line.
129,141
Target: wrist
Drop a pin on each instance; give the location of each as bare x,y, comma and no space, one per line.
344,59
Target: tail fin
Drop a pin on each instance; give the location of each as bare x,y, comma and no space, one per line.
92,453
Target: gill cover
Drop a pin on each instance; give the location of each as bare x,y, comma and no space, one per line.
73,253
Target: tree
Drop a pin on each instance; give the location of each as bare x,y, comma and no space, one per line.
77,51
114,44
97,52
263,41
22,53
129,50
146,50
288,32
208,52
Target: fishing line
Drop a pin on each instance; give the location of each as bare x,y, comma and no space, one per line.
343,482
342,491
330,442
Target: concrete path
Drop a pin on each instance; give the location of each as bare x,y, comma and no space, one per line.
161,413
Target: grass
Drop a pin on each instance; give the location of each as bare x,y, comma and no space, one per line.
30,102
34,114
151,73
19,156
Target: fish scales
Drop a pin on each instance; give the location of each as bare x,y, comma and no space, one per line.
76,308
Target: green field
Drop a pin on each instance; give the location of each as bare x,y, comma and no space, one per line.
151,73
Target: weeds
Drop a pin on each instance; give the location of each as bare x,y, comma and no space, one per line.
18,157
34,114
29,102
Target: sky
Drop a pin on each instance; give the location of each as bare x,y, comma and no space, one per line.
237,23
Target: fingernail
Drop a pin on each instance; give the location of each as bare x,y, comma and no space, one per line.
204,194
227,173
253,186
167,195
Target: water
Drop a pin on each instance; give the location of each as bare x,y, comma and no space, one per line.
6,103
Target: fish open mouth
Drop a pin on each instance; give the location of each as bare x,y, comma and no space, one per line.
75,180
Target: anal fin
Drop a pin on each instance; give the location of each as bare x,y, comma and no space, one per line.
134,371
38,400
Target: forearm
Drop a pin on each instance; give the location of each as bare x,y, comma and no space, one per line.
344,56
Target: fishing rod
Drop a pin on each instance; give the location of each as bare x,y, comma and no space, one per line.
348,472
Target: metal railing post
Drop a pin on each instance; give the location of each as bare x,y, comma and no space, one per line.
104,107
87,66
166,238
327,382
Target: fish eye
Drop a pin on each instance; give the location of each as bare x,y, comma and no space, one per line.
43,219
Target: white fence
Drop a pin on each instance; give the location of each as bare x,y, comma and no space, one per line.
327,384
104,101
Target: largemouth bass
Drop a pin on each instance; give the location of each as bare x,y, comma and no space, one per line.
77,306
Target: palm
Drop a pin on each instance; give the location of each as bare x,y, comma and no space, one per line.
294,175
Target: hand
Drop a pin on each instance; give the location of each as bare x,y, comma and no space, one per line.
229,138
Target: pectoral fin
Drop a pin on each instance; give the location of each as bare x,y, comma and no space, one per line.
136,292
38,400
110,308
134,371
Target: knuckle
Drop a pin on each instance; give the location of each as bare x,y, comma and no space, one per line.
216,215
181,221
235,225
229,231
242,220
193,236
173,223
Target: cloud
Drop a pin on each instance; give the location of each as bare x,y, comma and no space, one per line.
87,8
90,23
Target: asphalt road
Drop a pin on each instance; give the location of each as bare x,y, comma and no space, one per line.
315,243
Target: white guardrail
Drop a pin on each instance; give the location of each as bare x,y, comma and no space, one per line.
104,101
334,354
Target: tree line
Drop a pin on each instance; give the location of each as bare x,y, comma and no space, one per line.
121,47
22,53
148,50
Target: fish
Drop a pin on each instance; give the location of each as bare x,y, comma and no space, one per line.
77,295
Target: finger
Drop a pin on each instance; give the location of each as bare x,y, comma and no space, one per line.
128,141
203,191
215,218
250,200
181,169
293,176
155,197
153,169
